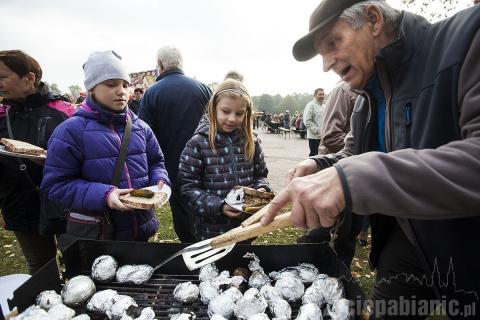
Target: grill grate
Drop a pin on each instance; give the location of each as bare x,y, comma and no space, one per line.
158,294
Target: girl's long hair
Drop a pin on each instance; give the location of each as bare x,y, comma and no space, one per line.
233,89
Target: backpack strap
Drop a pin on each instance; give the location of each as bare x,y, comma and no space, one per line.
119,164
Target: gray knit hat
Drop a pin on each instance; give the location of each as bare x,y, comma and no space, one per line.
103,65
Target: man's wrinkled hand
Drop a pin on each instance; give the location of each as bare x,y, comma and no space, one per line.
317,200
304,168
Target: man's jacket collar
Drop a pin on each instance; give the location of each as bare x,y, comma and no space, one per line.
168,72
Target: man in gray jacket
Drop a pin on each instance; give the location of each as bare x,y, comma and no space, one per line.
412,159
313,118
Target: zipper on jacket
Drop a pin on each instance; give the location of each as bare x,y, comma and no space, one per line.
234,160
388,102
364,138
408,124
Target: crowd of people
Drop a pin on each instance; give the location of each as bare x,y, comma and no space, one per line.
396,141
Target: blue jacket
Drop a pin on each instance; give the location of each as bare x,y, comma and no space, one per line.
172,107
206,176
81,158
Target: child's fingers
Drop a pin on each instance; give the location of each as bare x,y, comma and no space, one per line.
123,191
160,184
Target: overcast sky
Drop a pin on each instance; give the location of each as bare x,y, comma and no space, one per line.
254,37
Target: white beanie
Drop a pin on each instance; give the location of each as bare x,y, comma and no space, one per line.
103,65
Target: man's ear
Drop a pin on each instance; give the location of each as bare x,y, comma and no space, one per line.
160,66
375,19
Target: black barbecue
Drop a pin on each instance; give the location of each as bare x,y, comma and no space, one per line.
157,293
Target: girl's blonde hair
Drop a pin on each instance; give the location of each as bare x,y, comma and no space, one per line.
233,89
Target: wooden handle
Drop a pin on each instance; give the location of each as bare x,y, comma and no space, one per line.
256,216
251,231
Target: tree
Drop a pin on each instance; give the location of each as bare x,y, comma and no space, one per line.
74,91
266,103
52,86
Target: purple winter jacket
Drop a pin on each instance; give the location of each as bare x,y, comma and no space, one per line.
82,152
206,177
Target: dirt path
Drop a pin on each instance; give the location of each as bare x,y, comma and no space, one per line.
282,154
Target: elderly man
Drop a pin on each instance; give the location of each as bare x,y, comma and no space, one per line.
416,139
173,107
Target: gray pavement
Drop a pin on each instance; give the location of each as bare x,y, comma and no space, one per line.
281,155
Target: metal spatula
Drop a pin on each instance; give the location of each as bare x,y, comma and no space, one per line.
202,253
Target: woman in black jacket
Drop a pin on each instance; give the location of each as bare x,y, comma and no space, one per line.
33,113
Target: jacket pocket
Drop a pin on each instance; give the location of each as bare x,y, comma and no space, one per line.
88,227
408,124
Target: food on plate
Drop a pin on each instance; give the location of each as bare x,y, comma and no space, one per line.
186,292
256,198
47,299
22,147
136,202
77,290
142,193
104,268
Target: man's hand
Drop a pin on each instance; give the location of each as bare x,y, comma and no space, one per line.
316,200
230,212
114,202
304,168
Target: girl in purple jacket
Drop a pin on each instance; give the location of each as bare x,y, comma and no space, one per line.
222,154
82,153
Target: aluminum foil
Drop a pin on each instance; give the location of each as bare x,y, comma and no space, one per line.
104,268
314,294
137,274
309,311
82,316
48,298
102,301
222,305
250,304
77,290
183,316
306,272
147,314
332,289
340,310
233,293
279,307
61,312
118,308
208,272
259,316
291,288
32,313
258,279
186,292
217,317
207,291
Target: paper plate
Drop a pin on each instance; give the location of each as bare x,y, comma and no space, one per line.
5,152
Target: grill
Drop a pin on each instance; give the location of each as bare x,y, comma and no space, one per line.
157,293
